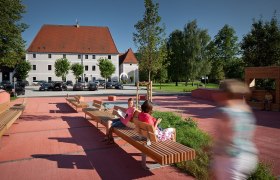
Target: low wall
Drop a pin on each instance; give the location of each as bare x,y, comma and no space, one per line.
4,96
208,94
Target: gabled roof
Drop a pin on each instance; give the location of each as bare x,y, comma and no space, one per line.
128,57
73,39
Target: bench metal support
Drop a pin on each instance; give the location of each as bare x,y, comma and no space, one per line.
149,166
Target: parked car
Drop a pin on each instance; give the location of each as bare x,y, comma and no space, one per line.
92,86
38,82
26,83
78,87
97,82
69,83
109,85
101,82
46,87
59,86
19,89
118,86
3,84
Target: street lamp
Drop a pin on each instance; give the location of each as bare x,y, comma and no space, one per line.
14,90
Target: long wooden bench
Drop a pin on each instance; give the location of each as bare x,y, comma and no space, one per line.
8,115
142,137
77,102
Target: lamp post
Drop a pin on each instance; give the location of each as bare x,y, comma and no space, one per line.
14,90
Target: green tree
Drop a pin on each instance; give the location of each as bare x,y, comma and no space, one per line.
175,48
149,39
62,67
261,46
22,69
11,42
227,51
107,68
195,54
77,70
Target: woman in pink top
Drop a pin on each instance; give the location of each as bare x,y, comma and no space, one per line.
145,116
122,121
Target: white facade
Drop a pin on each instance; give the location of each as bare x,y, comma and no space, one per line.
131,70
42,62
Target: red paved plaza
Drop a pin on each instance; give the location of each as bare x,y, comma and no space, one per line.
52,141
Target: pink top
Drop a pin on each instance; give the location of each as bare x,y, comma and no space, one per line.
129,114
147,118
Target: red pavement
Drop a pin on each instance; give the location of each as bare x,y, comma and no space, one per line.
51,141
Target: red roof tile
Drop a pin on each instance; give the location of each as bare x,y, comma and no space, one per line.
72,39
128,57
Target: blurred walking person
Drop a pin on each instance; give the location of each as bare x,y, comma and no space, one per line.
235,154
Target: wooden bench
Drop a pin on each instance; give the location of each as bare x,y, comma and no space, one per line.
8,115
77,102
142,137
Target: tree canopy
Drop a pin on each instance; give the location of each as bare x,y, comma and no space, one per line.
106,67
11,42
22,69
149,39
62,67
261,46
77,70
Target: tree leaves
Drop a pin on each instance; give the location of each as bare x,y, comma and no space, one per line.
11,42
77,70
62,67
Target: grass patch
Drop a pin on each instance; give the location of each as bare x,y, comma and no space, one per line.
13,98
190,135
263,171
171,87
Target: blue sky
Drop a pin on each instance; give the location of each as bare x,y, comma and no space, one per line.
121,15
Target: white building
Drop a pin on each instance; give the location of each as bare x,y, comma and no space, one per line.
129,66
79,44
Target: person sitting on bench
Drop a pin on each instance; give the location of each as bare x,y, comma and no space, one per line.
145,116
124,118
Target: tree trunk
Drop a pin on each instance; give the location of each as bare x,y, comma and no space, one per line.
176,83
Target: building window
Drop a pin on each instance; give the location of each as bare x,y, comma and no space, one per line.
86,56
49,79
86,68
34,67
93,56
93,68
50,55
86,79
109,56
79,56
93,78
130,64
34,78
49,67
34,55
64,55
